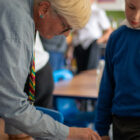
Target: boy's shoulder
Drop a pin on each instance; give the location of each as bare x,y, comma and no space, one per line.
120,30
117,36
125,32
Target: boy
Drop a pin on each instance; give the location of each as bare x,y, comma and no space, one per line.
119,95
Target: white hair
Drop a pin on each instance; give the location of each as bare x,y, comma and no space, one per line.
76,12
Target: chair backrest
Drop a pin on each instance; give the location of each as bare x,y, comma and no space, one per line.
66,106
62,74
54,114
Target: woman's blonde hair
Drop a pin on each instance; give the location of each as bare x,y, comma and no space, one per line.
76,12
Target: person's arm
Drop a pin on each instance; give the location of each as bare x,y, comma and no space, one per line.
104,38
106,92
105,26
14,106
69,52
82,134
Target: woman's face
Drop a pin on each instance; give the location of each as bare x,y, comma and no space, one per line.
132,11
52,24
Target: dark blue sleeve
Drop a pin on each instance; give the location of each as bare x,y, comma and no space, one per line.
104,103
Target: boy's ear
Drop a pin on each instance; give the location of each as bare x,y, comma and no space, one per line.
43,8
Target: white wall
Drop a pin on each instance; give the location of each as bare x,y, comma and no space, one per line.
117,5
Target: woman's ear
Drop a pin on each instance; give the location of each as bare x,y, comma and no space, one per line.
43,8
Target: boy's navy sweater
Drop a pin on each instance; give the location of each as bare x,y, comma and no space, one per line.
120,85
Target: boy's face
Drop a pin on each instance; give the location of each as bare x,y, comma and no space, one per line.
132,11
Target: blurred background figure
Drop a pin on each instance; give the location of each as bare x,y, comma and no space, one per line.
88,41
44,77
56,47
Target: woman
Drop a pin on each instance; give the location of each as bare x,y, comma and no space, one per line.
18,21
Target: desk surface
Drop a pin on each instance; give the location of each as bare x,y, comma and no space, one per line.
83,85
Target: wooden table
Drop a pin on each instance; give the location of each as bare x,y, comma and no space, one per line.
83,85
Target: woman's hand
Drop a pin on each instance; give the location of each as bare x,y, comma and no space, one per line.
82,134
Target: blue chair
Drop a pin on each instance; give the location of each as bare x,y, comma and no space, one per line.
62,74
72,115
54,114
68,106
